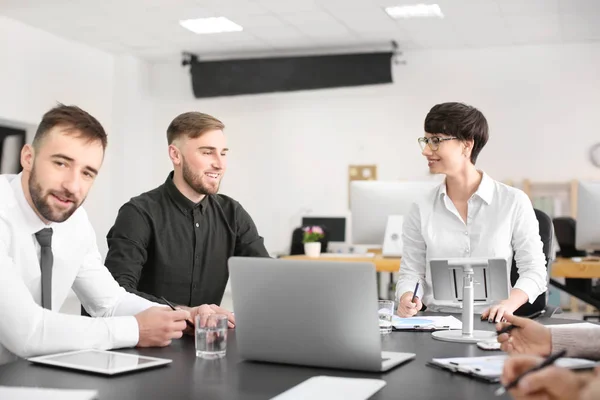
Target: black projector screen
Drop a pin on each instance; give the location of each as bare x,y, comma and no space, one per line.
285,74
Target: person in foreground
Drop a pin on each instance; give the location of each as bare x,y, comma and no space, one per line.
48,246
468,215
175,240
552,383
529,341
532,338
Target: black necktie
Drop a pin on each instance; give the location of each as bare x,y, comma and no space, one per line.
44,238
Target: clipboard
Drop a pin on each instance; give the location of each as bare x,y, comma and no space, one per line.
489,368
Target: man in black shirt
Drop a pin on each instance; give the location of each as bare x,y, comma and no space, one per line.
174,241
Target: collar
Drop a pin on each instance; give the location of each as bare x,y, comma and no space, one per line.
32,221
182,202
485,191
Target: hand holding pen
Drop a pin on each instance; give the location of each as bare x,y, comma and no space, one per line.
524,336
188,323
409,303
516,369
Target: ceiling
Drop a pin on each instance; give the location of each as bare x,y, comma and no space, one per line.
150,29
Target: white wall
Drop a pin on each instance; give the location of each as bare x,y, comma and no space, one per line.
41,69
290,151
38,70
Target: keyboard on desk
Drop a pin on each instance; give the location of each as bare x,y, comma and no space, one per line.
347,255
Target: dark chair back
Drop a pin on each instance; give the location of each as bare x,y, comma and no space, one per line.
565,236
297,247
546,234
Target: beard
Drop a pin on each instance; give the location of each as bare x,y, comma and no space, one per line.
41,201
196,183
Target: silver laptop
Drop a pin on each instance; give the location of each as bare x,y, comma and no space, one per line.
316,313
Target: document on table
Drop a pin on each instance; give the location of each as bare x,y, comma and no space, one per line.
490,368
426,322
333,388
28,393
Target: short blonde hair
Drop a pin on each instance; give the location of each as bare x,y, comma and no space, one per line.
192,125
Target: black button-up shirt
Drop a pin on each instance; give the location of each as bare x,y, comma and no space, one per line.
163,244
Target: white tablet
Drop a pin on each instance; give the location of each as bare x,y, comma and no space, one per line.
100,361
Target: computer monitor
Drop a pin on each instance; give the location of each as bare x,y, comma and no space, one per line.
587,229
335,226
371,202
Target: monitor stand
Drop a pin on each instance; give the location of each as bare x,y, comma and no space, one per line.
467,335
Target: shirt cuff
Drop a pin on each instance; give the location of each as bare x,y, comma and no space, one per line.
125,332
530,288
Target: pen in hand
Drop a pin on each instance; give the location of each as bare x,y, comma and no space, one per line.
415,292
548,361
188,323
509,328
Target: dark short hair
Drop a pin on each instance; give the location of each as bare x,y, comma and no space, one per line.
460,120
192,125
73,119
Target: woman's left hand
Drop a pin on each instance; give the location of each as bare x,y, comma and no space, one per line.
496,312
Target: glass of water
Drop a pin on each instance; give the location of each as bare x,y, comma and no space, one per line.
211,336
386,311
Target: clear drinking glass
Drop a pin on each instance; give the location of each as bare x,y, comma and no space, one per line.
211,336
386,311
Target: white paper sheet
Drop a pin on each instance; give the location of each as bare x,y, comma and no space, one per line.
426,322
491,366
333,388
28,393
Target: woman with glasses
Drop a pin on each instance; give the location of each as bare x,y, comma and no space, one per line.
468,215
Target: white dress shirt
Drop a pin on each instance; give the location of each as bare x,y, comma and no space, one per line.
27,329
500,222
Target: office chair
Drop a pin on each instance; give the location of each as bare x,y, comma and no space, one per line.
565,228
541,303
297,247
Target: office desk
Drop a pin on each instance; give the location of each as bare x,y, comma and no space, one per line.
231,378
585,269
382,264
567,268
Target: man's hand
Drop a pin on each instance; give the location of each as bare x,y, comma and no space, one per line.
206,309
159,325
528,337
552,383
406,308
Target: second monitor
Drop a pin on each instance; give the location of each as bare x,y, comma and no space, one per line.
372,202
587,235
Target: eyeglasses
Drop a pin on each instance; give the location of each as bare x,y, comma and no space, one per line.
433,142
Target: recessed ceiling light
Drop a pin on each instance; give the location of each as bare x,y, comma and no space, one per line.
210,25
415,11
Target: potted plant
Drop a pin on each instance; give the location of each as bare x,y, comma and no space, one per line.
312,235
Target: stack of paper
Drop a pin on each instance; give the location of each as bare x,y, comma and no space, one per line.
426,322
333,388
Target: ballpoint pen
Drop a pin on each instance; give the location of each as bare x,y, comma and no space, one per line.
415,292
188,323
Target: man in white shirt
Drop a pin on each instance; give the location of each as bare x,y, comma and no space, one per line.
468,215
48,246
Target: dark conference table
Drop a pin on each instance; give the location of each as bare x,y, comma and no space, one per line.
188,377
